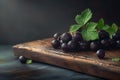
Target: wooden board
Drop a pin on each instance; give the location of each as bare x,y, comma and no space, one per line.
85,62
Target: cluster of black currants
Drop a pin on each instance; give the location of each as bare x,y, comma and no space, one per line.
74,42
68,42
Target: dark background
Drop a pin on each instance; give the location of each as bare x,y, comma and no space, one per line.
27,20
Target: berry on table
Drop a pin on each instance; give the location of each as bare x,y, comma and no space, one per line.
94,46
77,36
72,45
105,43
84,45
64,47
56,36
66,37
55,43
100,53
22,59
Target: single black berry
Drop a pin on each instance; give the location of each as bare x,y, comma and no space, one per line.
116,36
103,34
77,37
84,45
61,41
118,43
64,47
94,46
112,43
56,36
66,37
22,59
105,43
100,53
72,45
55,43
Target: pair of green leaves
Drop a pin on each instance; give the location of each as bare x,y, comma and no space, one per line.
89,29
81,20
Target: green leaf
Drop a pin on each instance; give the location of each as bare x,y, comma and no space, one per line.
117,59
28,61
106,27
91,26
114,27
100,24
81,20
111,30
74,28
90,33
84,17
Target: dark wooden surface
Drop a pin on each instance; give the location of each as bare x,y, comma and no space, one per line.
12,69
85,62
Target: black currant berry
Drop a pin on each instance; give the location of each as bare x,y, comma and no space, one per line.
112,43
100,53
118,43
56,36
64,47
84,45
116,36
77,37
22,59
103,34
105,43
72,45
55,43
94,46
66,37
61,42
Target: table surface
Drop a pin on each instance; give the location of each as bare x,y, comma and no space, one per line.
12,69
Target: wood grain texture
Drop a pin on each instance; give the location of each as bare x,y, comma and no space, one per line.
85,62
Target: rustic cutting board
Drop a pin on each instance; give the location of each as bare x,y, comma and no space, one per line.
85,62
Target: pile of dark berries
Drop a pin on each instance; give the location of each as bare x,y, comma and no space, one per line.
74,42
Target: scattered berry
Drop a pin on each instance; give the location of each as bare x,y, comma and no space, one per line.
22,59
100,53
